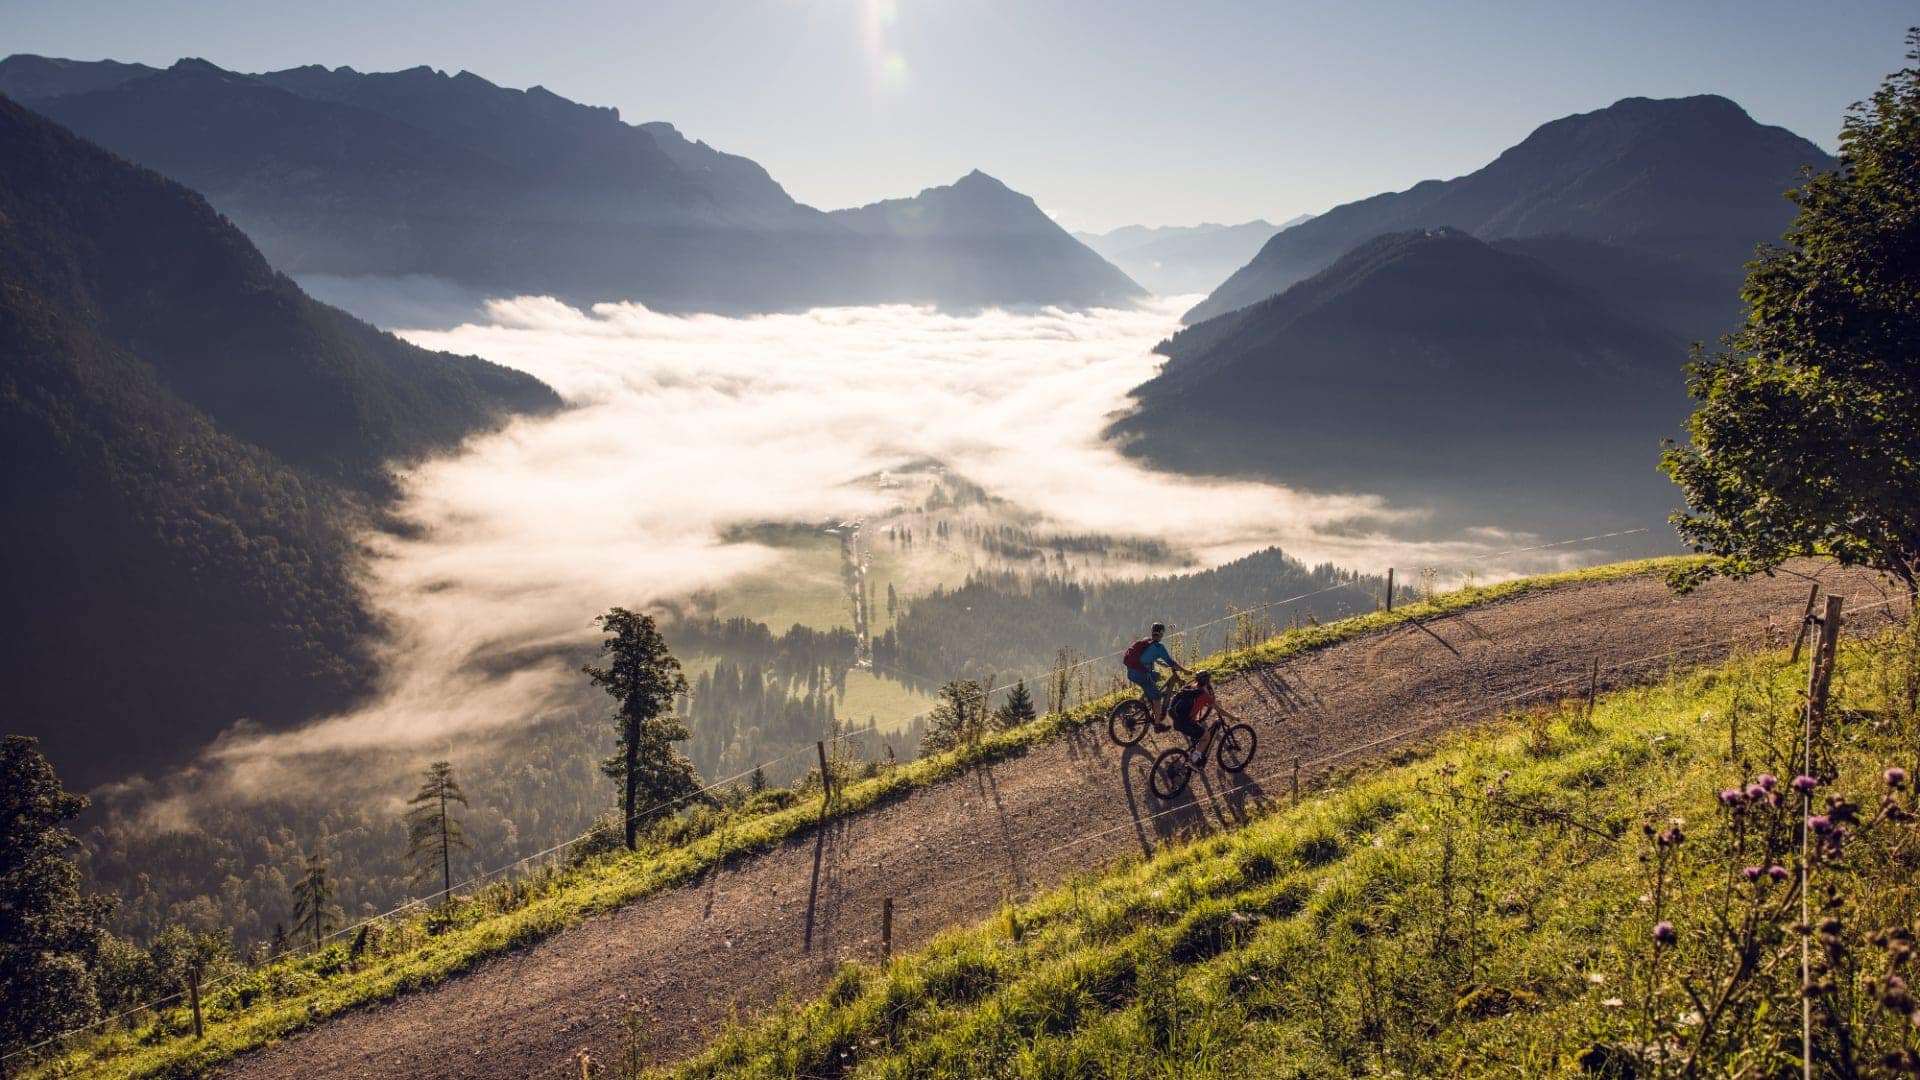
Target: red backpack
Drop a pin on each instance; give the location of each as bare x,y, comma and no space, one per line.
1131,657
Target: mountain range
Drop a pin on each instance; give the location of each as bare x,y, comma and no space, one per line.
342,173
1179,260
1508,345
1694,180
187,444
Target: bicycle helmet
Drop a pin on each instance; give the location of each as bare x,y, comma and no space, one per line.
1203,677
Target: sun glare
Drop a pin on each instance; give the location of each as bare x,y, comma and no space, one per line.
879,20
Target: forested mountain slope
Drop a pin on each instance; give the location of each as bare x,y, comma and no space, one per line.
1426,364
187,437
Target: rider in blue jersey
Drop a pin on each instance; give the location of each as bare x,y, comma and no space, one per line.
1141,658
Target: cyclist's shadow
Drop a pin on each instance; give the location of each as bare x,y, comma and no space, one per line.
1156,820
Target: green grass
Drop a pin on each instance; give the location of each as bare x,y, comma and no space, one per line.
1482,909
889,702
285,997
805,587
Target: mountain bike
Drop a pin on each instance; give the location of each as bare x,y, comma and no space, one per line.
1130,720
1232,746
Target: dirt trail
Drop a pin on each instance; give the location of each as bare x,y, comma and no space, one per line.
783,920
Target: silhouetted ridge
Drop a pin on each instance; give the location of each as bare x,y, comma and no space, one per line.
1180,259
977,241
339,172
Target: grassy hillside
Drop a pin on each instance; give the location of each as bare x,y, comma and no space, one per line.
250,1008
1488,907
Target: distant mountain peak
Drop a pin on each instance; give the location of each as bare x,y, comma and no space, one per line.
976,178
1693,178
194,65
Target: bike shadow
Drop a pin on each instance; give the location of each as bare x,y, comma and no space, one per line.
1213,799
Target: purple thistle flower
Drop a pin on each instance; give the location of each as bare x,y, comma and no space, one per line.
1664,934
1733,797
1755,793
1820,824
1805,784
1752,873
1777,873
1836,839
1767,781
1895,777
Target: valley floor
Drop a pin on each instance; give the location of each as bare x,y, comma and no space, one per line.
678,964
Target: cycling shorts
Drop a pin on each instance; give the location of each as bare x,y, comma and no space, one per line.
1147,681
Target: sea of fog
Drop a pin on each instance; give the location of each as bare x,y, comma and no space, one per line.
678,428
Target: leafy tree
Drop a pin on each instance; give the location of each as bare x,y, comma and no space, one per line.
643,678
1806,439
959,718
314,915
1017,709
432,830
48,929
181,958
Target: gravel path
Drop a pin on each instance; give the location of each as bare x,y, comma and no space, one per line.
780,922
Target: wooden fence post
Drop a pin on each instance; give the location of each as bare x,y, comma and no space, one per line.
1820,675
193,995
1806,618
1389,588
1296,781
826,774
1593,687
886,929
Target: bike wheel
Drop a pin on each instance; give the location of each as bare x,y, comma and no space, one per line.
1236,747
1172,770
1128,721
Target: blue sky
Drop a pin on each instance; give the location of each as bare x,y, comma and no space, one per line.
1108,113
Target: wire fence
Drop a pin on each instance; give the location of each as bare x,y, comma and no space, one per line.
1296,767
1185,635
